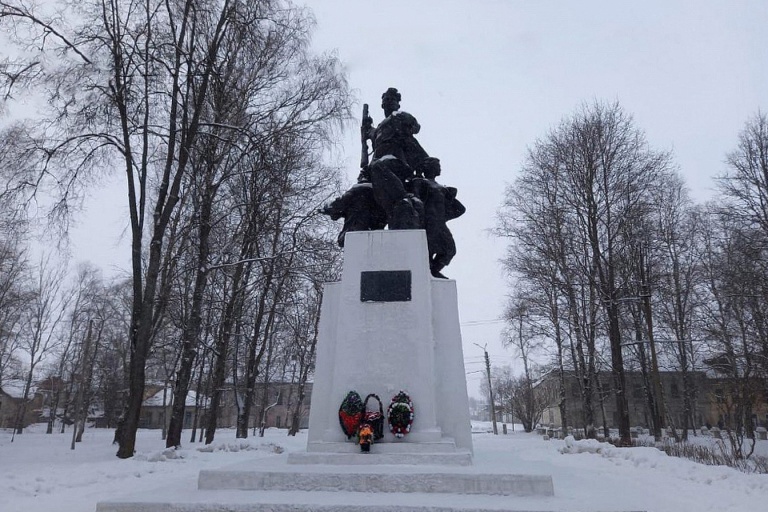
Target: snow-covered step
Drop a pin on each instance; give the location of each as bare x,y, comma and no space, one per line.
358,459
378,480
298,501
444,445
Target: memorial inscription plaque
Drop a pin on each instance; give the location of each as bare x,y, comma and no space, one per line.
385,286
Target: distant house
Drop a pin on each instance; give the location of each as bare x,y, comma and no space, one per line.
280,414
722,404
11,400
639,414
55,392
157,407
274,403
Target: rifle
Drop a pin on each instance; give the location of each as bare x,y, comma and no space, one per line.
364,127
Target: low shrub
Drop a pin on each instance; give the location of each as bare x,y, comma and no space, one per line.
710,454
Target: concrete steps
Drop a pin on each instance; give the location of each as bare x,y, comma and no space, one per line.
319,501
397,477
377,459
379,480
350,482
441,452
290,487
441,445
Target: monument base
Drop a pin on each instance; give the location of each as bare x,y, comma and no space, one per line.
373,485
375,346
389,458
388,326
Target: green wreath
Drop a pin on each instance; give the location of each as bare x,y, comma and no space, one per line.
400,414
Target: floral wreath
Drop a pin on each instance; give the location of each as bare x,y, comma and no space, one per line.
400,414
374,418
351,413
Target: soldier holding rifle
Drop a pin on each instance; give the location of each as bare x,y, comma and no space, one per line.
390,186
396,153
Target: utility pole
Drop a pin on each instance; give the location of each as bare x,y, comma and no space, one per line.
655,375
492,404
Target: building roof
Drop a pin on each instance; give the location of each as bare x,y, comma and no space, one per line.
15,388
156,400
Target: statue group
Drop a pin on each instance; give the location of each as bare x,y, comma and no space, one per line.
397,188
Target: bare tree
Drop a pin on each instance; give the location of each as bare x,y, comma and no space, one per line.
41,322
516,396
522,333
13,301
130,88
637,270
551,255
108,103
745,189
733,286
85,296
745,184
323,267
679,253
112,363
581,186
301,107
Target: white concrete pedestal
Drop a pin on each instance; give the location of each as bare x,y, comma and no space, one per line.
385,346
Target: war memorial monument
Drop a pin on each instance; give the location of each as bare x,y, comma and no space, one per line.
389,426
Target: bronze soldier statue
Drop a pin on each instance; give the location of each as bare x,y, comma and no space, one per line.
398,188
396,153
440,206
358,208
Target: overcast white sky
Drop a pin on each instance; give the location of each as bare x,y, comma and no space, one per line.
485,78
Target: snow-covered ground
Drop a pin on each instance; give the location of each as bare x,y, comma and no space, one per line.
39,473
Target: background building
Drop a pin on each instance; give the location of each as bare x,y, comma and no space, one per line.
712,402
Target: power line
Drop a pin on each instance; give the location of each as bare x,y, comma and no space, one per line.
472,323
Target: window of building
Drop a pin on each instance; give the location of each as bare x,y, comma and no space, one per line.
575,393
674,389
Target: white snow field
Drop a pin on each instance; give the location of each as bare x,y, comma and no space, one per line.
39,473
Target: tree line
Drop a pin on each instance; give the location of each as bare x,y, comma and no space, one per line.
218,117
613,267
